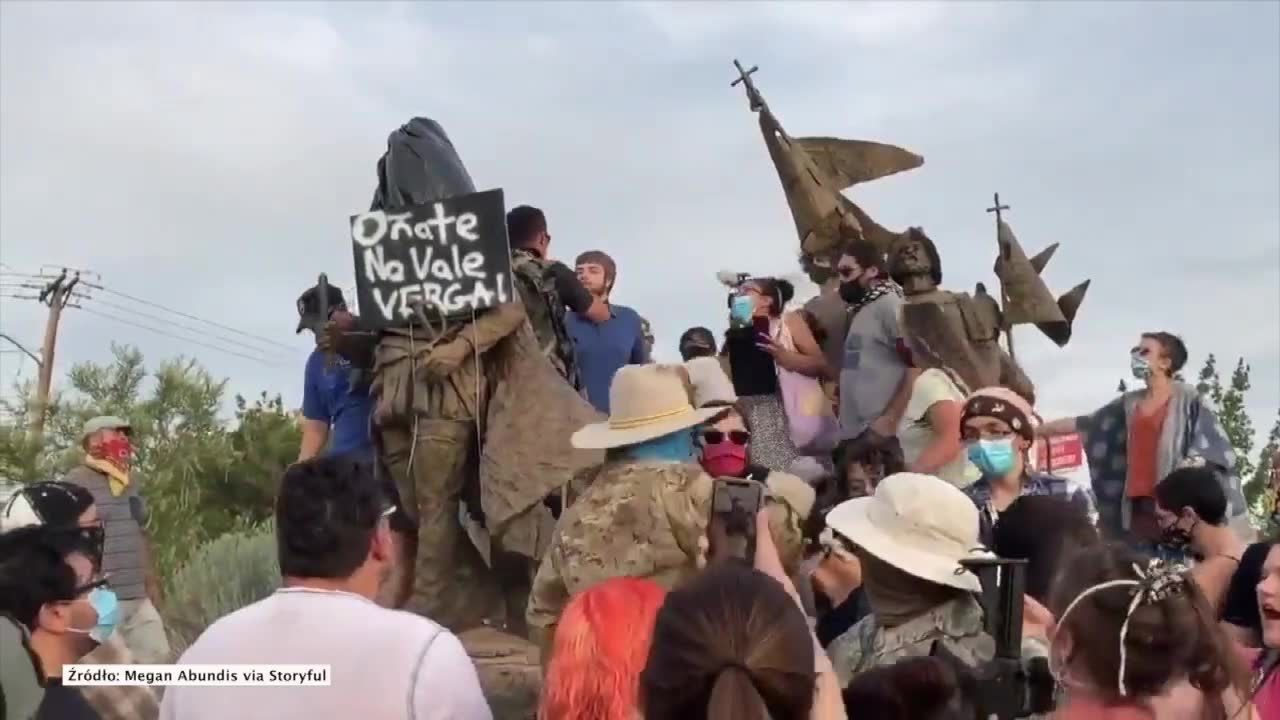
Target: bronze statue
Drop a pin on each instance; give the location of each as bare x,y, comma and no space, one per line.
963,331
814,171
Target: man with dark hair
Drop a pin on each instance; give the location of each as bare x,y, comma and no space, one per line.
52,590
335,550
1039,529
874,386
547,288
603,347
335,397
1191,512
1145,435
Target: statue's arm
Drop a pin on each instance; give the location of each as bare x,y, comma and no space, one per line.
490,328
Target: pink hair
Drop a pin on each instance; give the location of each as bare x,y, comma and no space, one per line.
599,650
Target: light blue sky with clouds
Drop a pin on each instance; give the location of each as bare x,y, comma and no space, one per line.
206,156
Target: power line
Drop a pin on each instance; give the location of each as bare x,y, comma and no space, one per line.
188,328
263,361
188,316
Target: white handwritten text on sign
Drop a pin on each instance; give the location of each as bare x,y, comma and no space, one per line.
449,257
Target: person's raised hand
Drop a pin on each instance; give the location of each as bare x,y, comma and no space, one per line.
1037,621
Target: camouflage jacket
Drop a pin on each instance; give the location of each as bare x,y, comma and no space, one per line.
546,311
645,520
119,702
866,645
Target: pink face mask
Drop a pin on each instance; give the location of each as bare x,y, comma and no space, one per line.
725,458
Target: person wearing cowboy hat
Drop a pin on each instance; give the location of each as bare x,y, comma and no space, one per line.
998,428
645,512
909,538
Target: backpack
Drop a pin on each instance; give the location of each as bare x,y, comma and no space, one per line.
546,312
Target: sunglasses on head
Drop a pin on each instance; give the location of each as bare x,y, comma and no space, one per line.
715,437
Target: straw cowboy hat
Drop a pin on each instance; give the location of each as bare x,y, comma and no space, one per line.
919,524
645,402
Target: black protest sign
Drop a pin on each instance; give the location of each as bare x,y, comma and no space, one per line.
448,258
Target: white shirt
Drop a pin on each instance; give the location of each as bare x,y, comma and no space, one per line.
709,381
915,433
385,664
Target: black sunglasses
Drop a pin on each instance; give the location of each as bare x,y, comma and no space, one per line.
846,272
715,437
92,585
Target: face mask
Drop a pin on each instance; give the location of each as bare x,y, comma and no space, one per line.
852,291
1175,538
105,603
741,310
724,459
1140,367
995,458
676,447
117,450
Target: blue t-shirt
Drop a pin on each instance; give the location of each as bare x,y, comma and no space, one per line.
327,396
603,348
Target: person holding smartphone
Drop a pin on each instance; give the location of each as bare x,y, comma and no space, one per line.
762,337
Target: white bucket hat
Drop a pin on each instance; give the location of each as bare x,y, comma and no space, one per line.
919,524
645,402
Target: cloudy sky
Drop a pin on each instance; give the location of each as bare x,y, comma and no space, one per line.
204,157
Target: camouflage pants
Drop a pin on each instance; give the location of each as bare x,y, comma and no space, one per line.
451,583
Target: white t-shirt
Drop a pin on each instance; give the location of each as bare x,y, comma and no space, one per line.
709,381
385,664
915,433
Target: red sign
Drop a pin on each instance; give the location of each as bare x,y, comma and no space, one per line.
1060,453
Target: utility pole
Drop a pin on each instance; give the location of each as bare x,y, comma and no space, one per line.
1003,255
56,295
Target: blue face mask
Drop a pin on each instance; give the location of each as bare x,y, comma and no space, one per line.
995,458
741,310
1140,367
676,447
105,603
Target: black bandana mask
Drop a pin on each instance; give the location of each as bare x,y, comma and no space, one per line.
852,291
1175,538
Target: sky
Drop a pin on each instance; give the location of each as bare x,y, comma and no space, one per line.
205,158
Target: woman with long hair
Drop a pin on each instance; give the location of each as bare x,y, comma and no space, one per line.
598,652
1135,638
763,338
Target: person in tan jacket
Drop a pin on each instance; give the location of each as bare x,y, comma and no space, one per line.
645,512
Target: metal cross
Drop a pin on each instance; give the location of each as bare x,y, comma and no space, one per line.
998,208
743,75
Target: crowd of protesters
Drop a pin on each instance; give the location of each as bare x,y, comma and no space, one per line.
881,475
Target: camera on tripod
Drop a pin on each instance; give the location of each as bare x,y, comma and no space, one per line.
1009,686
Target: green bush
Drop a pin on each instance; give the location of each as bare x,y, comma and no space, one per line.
220,577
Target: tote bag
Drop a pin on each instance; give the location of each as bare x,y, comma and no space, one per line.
813,427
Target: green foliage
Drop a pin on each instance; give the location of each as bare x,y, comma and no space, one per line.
220,577
201,477
1229,405
1266,494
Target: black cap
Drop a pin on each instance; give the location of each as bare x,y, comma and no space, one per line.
309,315
55,504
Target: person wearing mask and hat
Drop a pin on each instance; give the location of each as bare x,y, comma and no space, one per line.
645,512
997,428
909,538
335,398
70,516
105,473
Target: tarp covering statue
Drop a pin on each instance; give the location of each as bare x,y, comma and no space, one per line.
472,415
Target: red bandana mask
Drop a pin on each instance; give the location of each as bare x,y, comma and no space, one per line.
725,459
117,450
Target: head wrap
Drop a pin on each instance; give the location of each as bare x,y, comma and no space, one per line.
1002,404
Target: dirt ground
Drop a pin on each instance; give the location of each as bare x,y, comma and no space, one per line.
509,670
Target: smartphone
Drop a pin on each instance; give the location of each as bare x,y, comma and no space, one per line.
734,505
760,325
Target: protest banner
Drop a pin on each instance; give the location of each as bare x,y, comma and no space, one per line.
449,258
